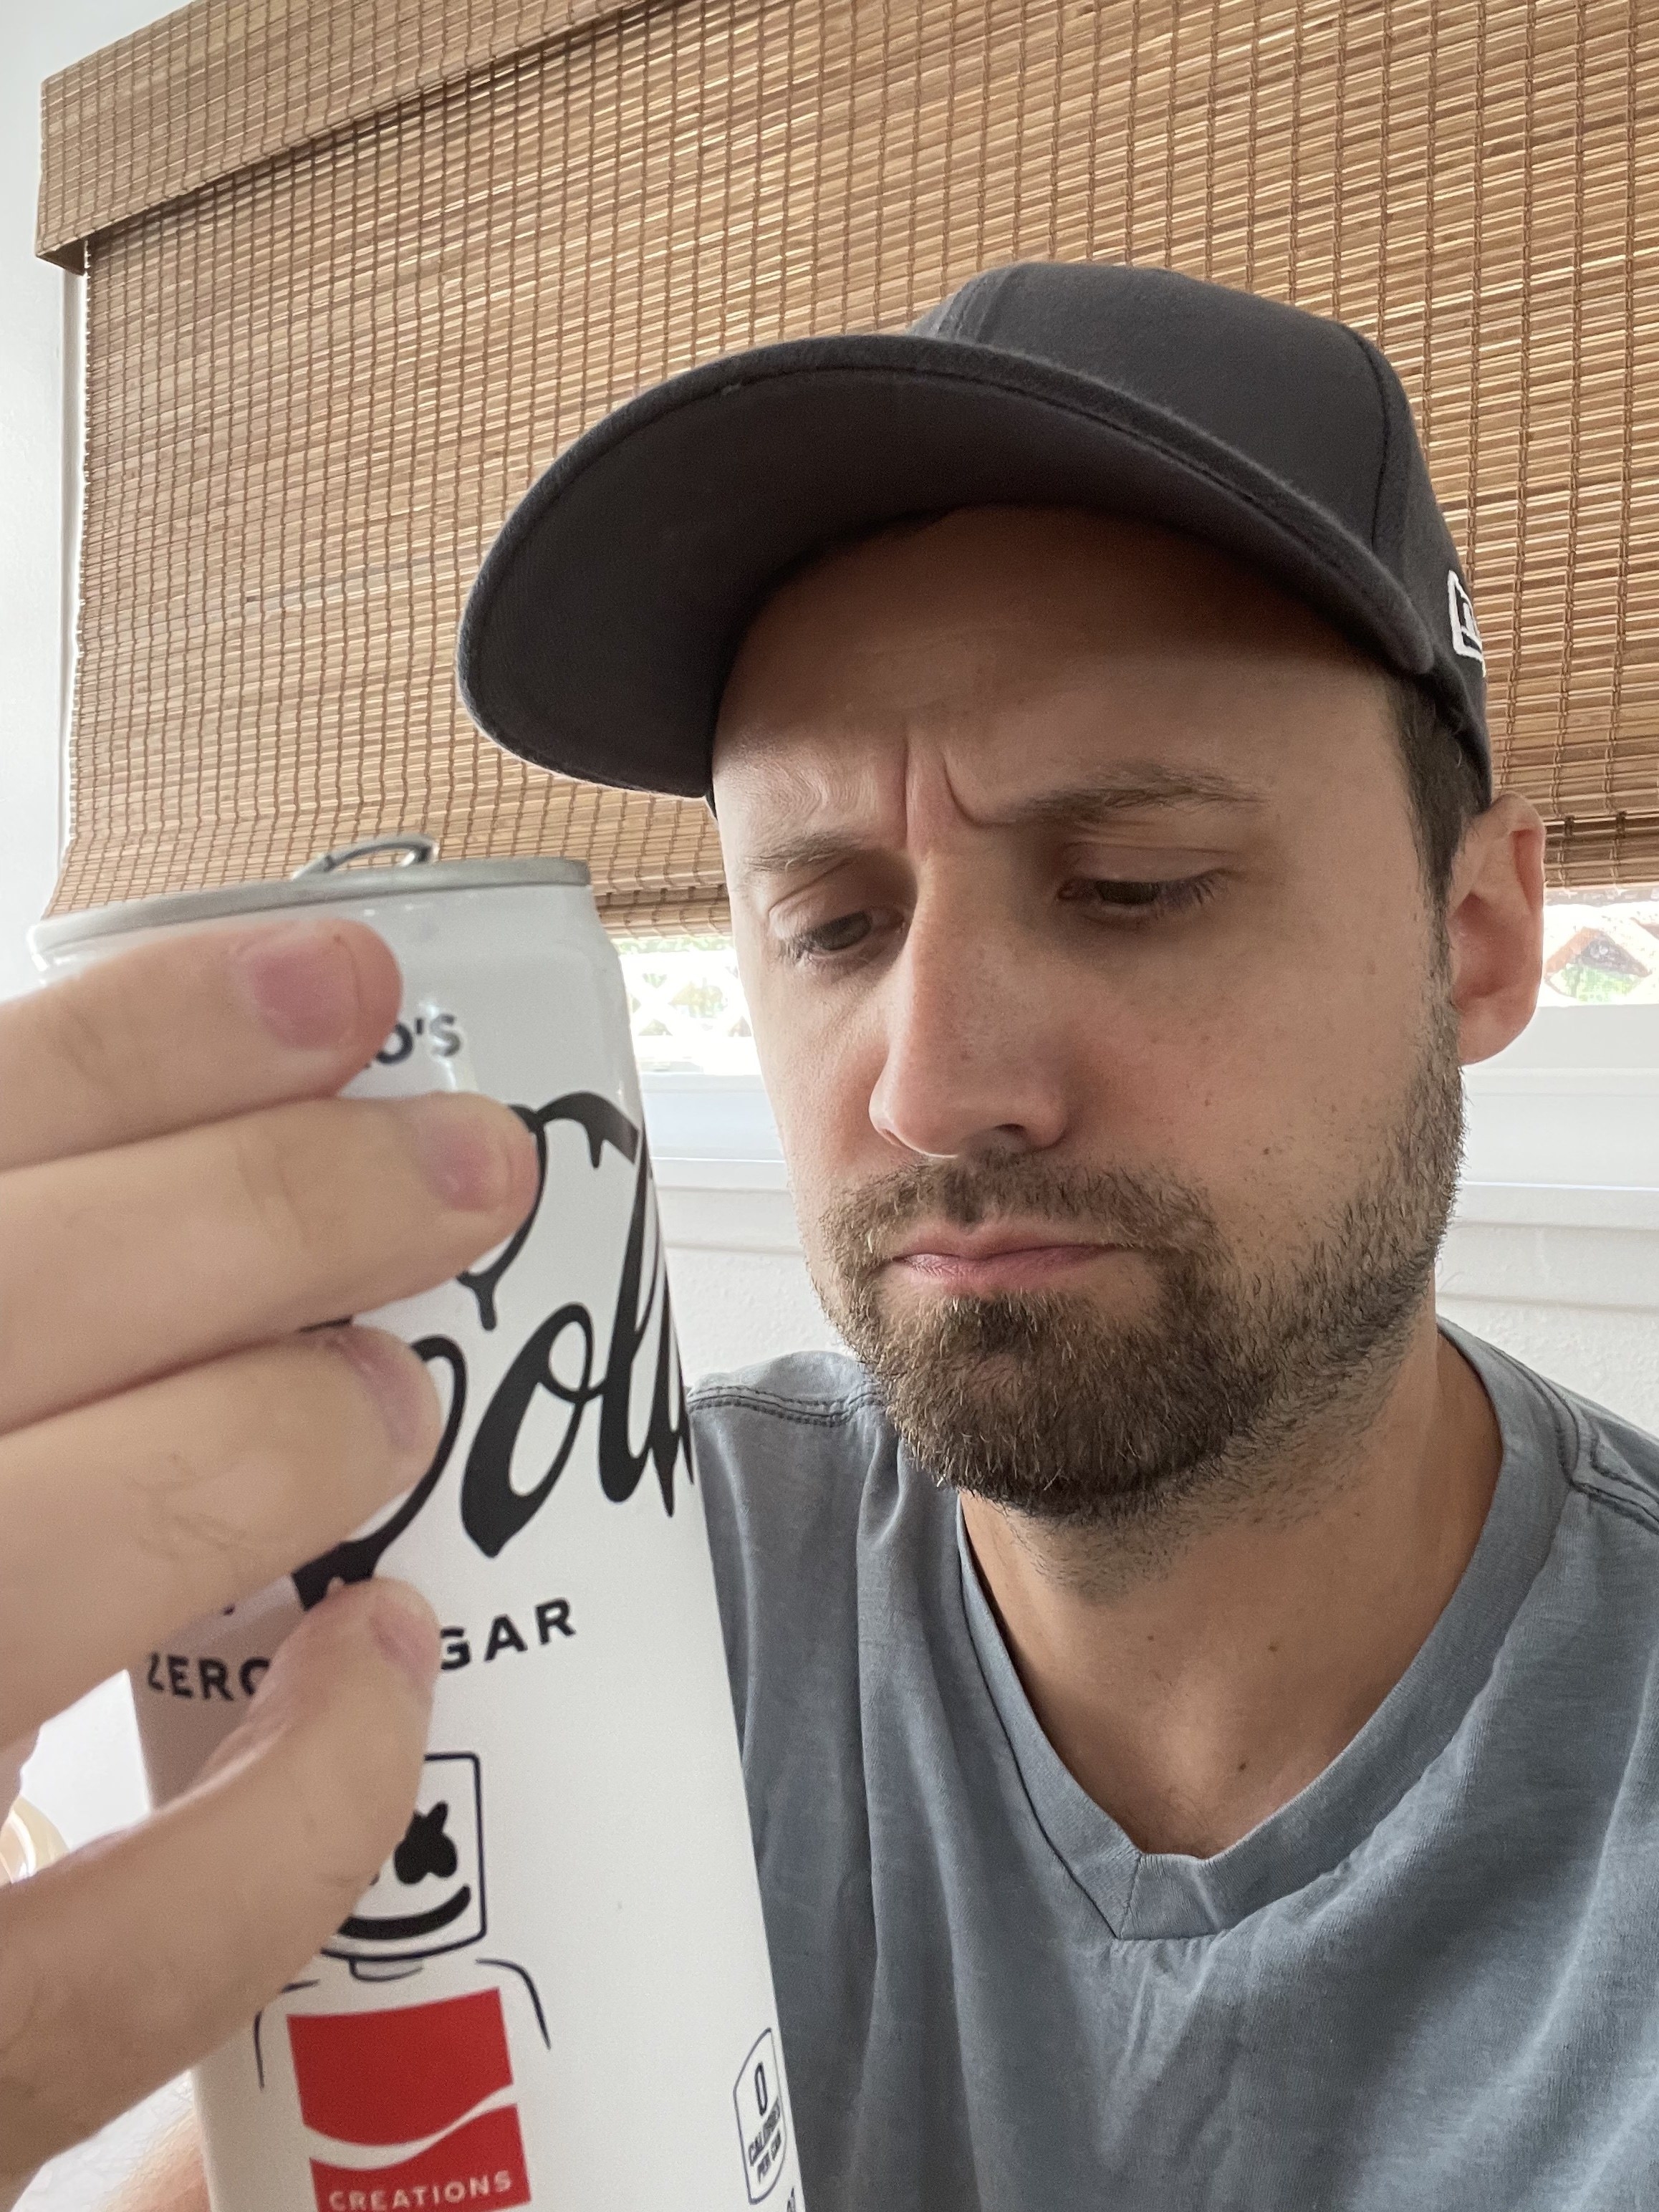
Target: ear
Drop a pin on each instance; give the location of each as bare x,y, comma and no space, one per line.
1495,925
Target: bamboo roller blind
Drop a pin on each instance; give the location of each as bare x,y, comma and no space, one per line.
357,273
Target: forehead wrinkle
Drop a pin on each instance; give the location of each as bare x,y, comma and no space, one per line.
808,815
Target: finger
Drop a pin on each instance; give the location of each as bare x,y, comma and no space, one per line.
127,1517
119,1266
108,1986
199,1024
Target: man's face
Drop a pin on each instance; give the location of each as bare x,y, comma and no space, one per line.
1097,995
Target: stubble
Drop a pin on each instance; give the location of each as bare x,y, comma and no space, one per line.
1052,1405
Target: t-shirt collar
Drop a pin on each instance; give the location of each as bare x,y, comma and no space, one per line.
1142,1895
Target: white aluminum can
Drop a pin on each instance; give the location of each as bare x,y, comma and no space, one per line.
555,1992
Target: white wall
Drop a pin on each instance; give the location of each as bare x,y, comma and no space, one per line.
35,40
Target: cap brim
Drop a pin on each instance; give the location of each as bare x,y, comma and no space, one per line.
600,631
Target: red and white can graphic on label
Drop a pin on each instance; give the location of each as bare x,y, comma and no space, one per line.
410,2109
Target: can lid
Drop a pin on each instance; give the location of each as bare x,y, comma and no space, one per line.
329,879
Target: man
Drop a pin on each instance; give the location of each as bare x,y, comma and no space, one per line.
1197,1712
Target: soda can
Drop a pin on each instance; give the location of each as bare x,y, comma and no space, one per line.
555,1992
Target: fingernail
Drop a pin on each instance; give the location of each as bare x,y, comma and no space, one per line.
303,980
471,1153
401,1386
406,1629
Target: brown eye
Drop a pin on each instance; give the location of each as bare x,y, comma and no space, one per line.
841,935
1122,895
1115,894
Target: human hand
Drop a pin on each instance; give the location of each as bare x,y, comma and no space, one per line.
183,1203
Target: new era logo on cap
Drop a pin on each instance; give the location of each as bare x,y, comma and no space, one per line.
1465,630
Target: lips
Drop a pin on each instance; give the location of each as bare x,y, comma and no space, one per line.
998,1257
990,1241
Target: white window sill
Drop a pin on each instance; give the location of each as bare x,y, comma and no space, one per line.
1618,1208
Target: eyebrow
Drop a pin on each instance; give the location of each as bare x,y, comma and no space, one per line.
1137,787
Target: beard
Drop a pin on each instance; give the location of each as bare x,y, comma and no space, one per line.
1048,1404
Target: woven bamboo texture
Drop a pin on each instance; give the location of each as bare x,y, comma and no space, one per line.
349,290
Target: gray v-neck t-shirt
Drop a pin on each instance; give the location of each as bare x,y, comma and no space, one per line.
1430,1980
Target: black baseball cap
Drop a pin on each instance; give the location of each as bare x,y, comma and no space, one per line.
599,635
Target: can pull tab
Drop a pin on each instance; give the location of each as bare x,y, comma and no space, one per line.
412,847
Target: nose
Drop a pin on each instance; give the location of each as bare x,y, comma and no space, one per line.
973,1037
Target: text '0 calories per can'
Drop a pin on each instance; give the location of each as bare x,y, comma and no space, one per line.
555,1992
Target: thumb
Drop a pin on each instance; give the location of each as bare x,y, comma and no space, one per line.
133,1958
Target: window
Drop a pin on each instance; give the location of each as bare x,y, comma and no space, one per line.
709,1121
688,1009
1602,948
